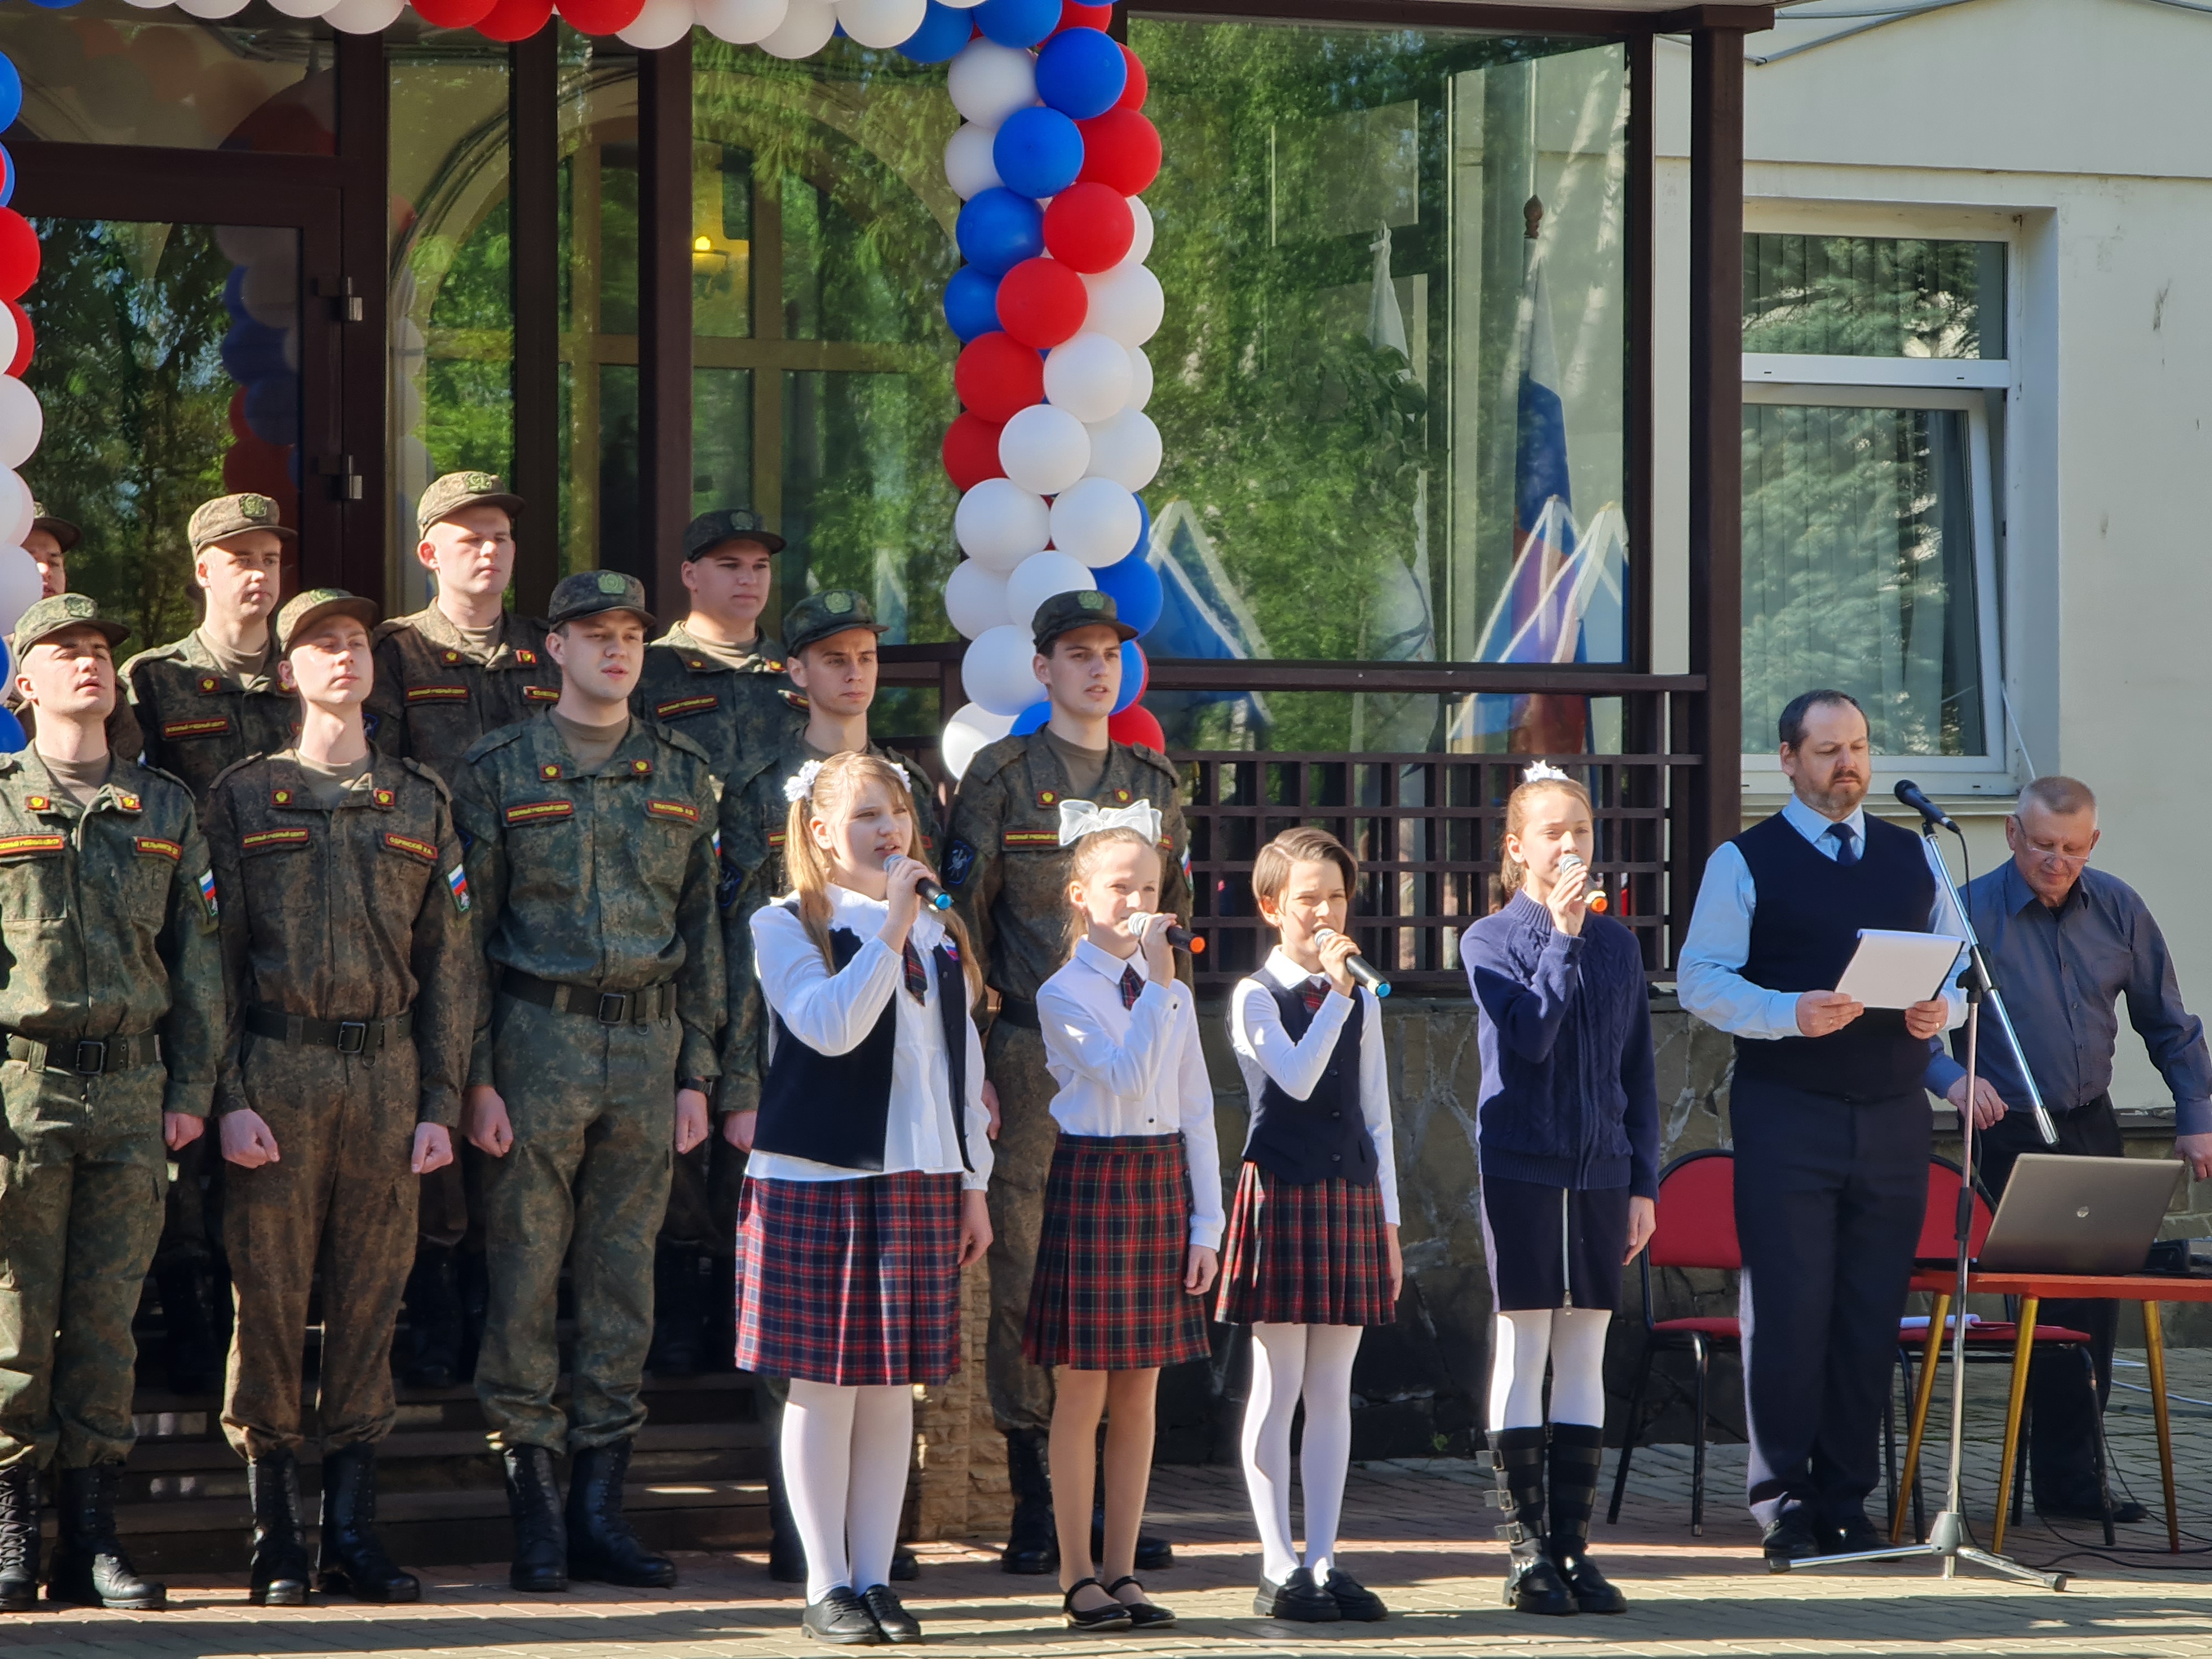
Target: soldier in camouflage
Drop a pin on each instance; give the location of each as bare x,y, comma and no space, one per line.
1007,870
590,857
112,1013
50,543
352,1008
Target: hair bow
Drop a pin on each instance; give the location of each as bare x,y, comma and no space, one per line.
1544,772
800,784
1078,818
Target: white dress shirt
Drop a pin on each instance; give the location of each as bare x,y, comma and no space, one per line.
833,1013
1265,1052
1135,1071
1709,979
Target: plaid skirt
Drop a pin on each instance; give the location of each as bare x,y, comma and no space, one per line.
854,1283
1304,1253
1108,1292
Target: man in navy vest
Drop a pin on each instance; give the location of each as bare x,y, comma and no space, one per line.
1830,1120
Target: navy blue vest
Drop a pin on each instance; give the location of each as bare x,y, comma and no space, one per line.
1324,1135
1803,929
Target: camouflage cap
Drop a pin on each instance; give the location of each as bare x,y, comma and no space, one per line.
590,592
232,515
65,534
818,615
710,530
303,610
50,617
449,494
1063,613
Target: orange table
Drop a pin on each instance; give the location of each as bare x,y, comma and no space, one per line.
2032,1290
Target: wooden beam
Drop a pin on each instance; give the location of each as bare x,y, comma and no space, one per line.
664,291
533,164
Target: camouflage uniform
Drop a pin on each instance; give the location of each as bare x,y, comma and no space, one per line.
737,715
598,891
432,699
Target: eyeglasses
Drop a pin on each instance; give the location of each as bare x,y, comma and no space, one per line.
2051,854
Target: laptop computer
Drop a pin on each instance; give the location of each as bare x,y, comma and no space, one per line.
2078,1215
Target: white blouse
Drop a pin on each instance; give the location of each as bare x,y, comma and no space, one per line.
834,1013
1135,1070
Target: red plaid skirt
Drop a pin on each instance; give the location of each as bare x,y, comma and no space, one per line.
854,1283
1304,1253
1108,1293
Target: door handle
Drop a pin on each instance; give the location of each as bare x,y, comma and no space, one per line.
345,482
345,304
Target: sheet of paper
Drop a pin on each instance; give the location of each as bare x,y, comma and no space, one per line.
1895,970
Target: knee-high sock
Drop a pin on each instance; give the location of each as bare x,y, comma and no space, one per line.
1279,1359
1325,1449
883,1445
817,1468
1578,1364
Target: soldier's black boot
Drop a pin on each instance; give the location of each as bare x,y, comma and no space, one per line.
786,1556
280,1535
435,1324
19,1537
1578,1457
353,1562
721,1337
190,1356
602,1548
90,1565
533,1502
679,1312
1533,1583
1032,1546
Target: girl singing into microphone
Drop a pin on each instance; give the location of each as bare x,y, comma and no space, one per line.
1567,1138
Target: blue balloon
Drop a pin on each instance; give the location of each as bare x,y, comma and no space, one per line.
7,183
1018,22
53,5
1133,674
253,351
272,409
1038,152
1134,588
944,31
998,230
11,93
234,295
1144,529
1081,73
971,302
11,733
1032,719
3,659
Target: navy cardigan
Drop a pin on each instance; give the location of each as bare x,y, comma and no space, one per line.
1570,1096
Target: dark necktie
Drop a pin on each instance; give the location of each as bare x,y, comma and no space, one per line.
1847,843
917,976
1316,992
1133,987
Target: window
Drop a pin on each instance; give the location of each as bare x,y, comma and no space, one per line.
1874,377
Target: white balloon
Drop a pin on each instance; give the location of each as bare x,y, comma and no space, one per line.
975,598
19,586
156,5
17,509
251,245
21,422
742,22
212,10
962,5
1140,378
971,729
1040,576
1088,376
661,23
988,82
302,7
999,670
1044,449
882,24
1141,244
1096,521
364,16
1000,524
969,166
1126,304
806,28
1126,449
270,293
9,338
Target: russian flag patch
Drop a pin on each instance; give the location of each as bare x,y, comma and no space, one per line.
457,880
207,895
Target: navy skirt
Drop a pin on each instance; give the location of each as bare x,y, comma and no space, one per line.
1553,1246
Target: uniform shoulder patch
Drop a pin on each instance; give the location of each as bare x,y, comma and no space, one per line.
437,694
159,846
682,811
1030,841
457,883
959,863
31,846
539,812
527,659
540,694
262,840
214,725
677,708
413,846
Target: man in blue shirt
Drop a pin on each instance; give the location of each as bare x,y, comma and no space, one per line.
2065,944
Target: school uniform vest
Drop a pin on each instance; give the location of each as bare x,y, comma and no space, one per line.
1804,927
1324,1135
836,1108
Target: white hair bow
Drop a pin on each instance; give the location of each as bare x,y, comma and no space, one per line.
1078,818
1544,772
800,784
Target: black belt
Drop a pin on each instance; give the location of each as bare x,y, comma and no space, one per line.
86,1056
641,1008
348,1036
1019,1010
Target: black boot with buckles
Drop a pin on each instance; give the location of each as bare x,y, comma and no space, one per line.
1533,1583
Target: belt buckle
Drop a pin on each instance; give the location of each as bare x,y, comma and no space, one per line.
353,1037
91,1057
614,1007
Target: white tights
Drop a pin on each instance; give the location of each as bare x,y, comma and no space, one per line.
845,1455
1289,1362
1573,1340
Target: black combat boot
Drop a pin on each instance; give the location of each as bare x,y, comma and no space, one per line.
601,1545
533,1502
190,1356
1032,1545
1578,1456
1533,1583
19,1537
787,1555
353,1562
280,1535
679,1312
721,1337
435,1324
90,1565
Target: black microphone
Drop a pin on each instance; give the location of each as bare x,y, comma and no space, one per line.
1178,936
1362,971
925,890
1917,797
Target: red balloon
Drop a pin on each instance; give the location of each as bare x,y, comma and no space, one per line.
599,16
238,429
998,376
1074,15
27,338
1133,95
515,20
1089,227
971,452
1121,150
453,14
1042,302
18,255
1135,723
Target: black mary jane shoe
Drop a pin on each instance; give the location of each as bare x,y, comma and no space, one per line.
1145,1614
1112,1616
1297,1600
892,1617
1354,1600
841,1619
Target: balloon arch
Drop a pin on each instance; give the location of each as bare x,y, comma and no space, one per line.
1052,305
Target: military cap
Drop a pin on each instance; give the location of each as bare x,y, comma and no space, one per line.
232,515
1063,613
588,593
449,494
833,610
710,530
303,610
50,617
64,533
